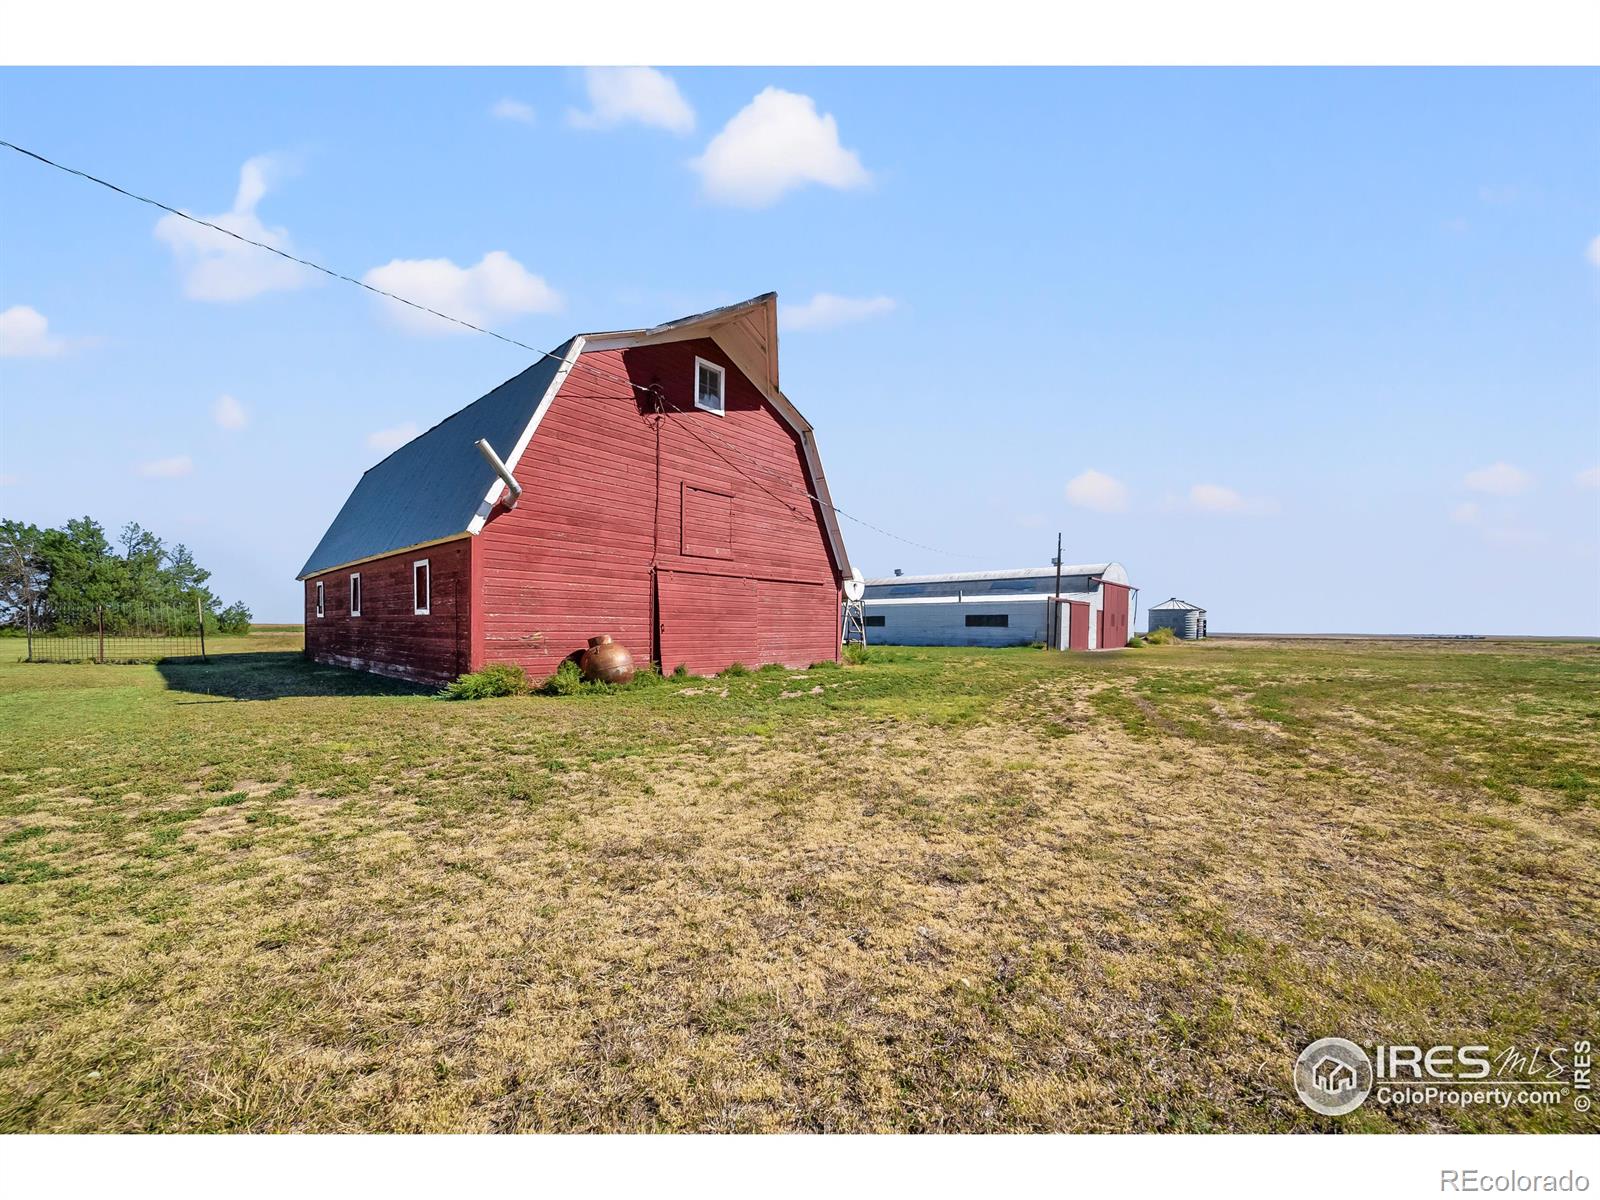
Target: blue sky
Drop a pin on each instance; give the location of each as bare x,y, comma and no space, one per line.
1315,349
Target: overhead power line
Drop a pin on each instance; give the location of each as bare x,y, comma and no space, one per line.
270,249
377,291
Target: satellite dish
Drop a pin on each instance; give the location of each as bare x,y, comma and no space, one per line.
855,587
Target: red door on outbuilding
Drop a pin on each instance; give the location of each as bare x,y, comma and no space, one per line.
1113,615
1077,625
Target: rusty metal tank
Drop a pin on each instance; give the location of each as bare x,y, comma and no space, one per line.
606,661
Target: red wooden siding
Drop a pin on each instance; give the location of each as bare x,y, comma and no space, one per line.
388,637
610,489
1113,615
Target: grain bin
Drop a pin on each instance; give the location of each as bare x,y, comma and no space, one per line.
1186,620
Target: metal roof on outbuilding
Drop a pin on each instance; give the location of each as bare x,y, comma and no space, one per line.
980,600
1174,605
431,488
1111,571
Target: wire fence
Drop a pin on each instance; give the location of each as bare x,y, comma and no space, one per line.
118,633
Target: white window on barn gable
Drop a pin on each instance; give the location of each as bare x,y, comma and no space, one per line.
421,587
355,594
319,597
710,384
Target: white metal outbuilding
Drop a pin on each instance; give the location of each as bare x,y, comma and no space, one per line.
1003,607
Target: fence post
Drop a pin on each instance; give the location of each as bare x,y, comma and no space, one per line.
100,611
200,612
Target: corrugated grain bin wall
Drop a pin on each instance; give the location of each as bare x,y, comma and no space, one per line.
1185,620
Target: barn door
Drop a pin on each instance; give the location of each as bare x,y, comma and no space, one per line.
797,623
706,622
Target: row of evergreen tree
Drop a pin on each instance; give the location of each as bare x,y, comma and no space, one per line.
63,573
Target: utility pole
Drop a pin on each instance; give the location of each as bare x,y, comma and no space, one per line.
1055,602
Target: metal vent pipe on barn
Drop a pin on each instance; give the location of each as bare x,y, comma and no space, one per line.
1003,608
1186,620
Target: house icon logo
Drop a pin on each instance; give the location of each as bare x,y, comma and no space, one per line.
1333,1076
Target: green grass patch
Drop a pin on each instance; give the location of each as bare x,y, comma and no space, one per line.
958,889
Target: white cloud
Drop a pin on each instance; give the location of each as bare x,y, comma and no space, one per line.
1593,252
825,310
167,468
642,94
1215,498
1098,491
1515,535
393,439
25,333
1498,479
220,268
229,413
776,142
1496,528
498,285
507,109
1589,478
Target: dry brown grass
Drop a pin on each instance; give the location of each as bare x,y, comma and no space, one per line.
958,891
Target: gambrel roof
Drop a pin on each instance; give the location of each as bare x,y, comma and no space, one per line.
438,486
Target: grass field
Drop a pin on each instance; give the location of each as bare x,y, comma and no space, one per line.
954,890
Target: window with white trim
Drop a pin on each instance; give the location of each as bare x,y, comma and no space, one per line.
710,384
355,594
319,597
421,587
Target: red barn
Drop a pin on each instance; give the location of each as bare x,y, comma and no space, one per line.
670,496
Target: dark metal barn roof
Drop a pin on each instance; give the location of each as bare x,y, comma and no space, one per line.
430,488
